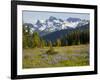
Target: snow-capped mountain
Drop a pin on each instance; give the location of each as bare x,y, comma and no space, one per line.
54,24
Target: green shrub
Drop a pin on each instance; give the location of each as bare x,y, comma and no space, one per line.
51,51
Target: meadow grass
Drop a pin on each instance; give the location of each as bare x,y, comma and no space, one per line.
76,55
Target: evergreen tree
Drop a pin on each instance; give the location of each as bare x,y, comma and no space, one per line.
58,42
36,39
43,43
50,44
26,37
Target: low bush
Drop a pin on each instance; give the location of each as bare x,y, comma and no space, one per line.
51,51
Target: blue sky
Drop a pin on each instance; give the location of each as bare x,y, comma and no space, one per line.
33,16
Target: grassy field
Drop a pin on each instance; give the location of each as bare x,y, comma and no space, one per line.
65,56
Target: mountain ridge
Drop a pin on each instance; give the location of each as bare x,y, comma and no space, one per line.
53,24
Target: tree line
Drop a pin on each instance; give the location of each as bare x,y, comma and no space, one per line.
76,37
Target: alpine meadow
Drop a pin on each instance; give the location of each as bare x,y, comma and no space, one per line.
55,39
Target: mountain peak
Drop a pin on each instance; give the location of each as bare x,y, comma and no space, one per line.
38,23
51,18
71,19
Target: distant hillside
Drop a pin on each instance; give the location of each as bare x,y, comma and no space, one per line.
59,34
